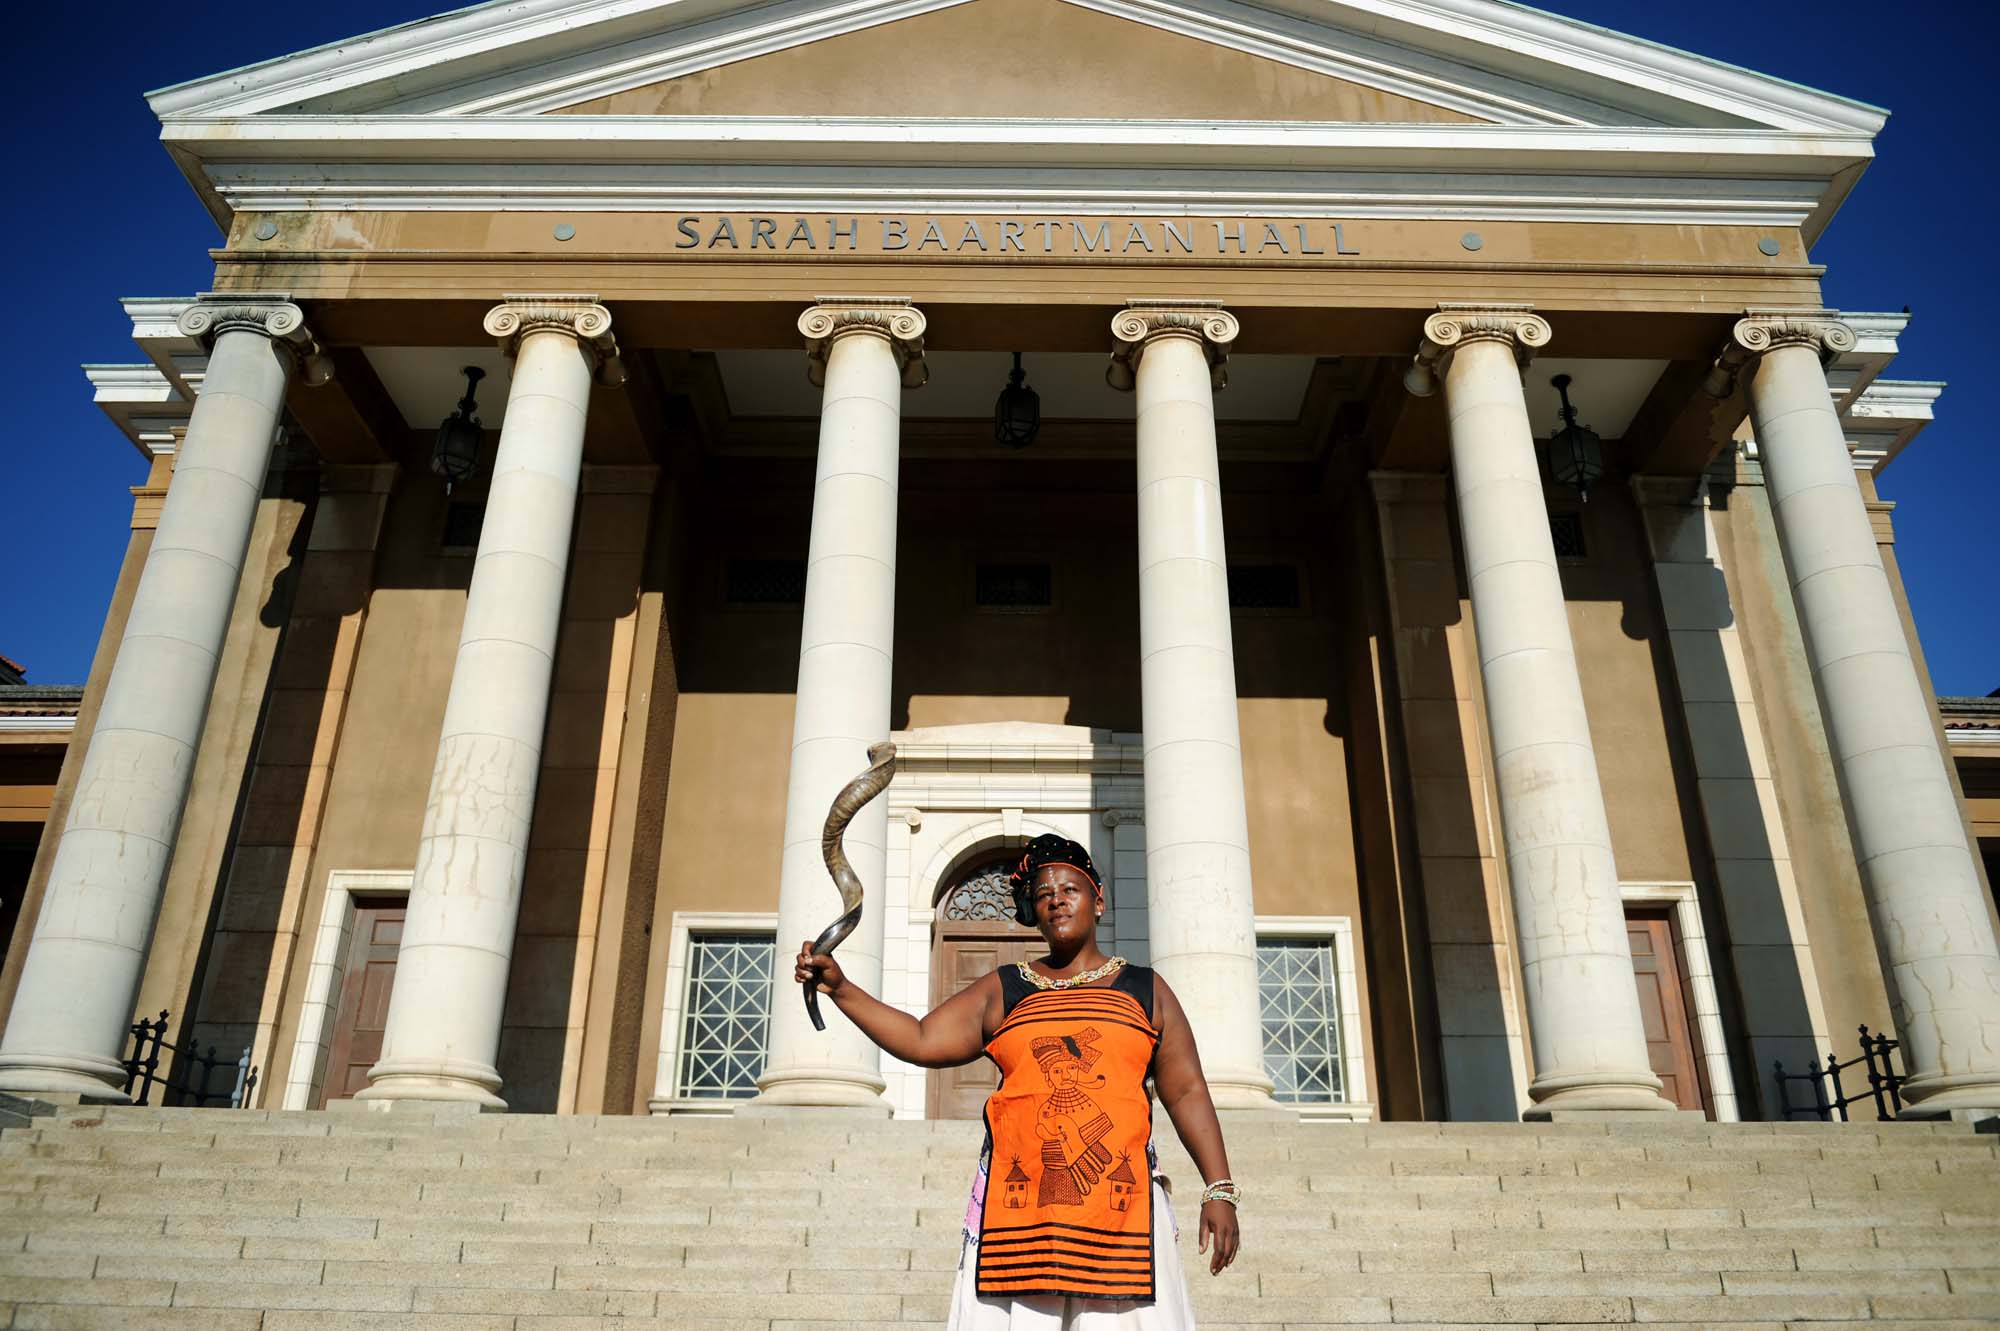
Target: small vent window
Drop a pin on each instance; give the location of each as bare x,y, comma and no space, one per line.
1263,587
461,525
1566,531
1014,586
766,582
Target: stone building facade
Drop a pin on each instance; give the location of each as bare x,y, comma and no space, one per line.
1439,785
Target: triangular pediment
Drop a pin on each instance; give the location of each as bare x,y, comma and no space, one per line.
1321,61
1329,108
1020,59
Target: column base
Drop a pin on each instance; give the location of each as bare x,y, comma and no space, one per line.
1966,1099
458,1082
55,1078
814,1091
1597,1095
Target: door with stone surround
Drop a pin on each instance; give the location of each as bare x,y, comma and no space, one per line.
363,1010
975,933
1663,1006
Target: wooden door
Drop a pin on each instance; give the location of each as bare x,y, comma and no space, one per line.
975,934
1670,1042
363,1009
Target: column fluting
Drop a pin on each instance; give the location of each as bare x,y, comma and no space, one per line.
1588,1039
1201,913
1924,894
442,1037
862,352
73,1010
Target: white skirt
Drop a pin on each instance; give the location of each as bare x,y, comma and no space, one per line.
1169,1310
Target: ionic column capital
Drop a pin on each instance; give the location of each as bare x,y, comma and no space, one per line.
1454,325
268,314
891,318
578,316
1135,327
1763,330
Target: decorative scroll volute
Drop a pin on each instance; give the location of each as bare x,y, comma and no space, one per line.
577,316
273,316
892,318
1524,331
1141,321
1764,330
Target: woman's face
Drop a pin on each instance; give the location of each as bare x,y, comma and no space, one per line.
1065,902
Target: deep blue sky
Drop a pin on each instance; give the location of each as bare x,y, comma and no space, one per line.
96,212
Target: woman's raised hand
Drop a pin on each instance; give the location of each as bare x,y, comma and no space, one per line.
812,968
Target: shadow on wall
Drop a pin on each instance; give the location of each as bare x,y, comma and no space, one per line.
276,840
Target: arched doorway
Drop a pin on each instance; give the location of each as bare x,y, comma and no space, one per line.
975,933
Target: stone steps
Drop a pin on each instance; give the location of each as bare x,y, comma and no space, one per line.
133,1218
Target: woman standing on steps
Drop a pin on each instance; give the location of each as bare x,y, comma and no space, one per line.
1074,1232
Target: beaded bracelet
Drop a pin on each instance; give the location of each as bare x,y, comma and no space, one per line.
1222,1190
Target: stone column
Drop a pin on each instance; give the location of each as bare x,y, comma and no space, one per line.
1200,909
443,1032
1588,1042
863,352
1923,887
72,1012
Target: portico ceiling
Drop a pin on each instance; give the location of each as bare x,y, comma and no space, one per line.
767,390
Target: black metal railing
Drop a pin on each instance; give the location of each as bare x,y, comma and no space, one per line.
1885,1084
190,1071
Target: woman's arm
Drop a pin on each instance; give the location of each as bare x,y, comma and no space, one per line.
1177,1075
955,1033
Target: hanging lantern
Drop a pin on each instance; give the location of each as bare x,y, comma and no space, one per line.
1017,415
1575,457
456,455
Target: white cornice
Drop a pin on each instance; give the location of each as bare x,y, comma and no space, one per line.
1522,173
600,187
1887,415
143,403
35,725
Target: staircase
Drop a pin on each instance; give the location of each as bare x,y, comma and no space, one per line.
267,1221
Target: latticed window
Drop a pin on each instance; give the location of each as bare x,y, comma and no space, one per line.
1300,1002
728,1019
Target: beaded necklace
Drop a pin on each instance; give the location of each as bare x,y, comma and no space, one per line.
1041,981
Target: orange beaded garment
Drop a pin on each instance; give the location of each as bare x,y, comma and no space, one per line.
1072,1213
